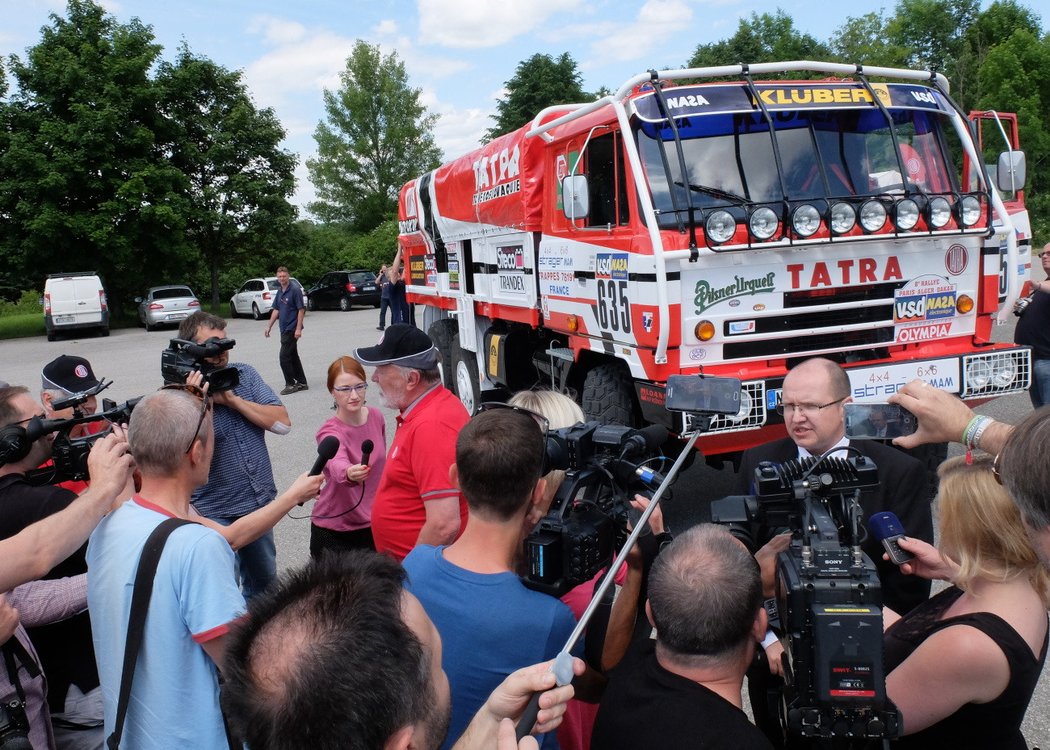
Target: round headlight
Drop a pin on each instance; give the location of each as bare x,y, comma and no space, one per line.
978,373
1004,370
872,215
764,223
939,211
805,220
969,211
720,227
843,218
745,408
906,215
704,330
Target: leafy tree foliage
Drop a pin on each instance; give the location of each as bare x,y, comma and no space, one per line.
537,83
377,135
237,179
865,40
84,178
932,30
761,38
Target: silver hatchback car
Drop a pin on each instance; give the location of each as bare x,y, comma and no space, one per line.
166,305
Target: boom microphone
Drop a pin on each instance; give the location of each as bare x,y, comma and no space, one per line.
366,451
326,449
887,529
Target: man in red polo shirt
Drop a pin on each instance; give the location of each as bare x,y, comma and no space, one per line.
417,502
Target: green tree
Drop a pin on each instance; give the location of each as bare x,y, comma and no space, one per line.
538,82
377,135
237,179
85,183
992,27
864,40
932,31
761,38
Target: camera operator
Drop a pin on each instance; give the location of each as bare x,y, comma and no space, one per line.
241,477
62,378
490,624
814,392
705,601
65,648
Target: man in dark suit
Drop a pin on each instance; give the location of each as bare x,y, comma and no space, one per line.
813,397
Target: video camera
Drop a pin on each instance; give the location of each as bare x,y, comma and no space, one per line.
183,357
587,521
68,453
828,594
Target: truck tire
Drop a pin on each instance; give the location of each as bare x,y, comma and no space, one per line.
465,374
608,395
442,334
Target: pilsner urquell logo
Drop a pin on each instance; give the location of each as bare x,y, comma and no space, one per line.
706,295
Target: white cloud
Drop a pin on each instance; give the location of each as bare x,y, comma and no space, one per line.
387,27
661,20
475,24
277,31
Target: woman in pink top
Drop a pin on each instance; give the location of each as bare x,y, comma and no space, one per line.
342,516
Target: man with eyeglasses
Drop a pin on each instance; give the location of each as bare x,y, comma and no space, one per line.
241,477
65,649
1033,329
813,396
416,502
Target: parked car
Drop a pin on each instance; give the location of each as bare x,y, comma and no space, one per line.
75,301
166,305
255,297
341,290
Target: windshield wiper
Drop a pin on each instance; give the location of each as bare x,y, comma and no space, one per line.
714,192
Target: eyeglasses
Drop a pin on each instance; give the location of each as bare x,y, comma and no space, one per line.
359,389
806,410
1043,255
205,405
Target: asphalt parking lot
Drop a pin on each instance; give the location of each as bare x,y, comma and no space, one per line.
131,358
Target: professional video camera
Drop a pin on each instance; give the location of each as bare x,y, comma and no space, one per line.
587,520
828,594
183,357
69,454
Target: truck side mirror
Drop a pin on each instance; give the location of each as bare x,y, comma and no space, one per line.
1011,171
575,197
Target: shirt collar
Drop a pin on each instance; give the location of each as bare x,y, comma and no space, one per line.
840,449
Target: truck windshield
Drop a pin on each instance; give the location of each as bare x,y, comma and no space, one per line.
829,153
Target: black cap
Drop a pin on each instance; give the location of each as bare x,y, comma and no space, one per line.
400,344
69,374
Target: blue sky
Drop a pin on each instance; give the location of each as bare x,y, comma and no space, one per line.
458,52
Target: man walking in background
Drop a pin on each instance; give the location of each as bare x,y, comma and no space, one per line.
288,312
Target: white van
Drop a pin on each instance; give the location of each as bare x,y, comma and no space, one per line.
75,301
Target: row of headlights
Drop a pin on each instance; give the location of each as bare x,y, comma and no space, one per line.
764,223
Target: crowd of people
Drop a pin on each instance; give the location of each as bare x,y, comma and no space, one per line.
144,605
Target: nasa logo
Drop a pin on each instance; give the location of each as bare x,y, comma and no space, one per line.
611,266
955,259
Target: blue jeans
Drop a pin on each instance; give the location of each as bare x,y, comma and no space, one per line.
256,562
1040,390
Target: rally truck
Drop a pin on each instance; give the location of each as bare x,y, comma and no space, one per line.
687,224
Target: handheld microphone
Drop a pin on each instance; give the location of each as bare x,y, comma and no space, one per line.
887,529
366,451
326,449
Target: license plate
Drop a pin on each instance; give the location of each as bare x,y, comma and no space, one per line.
368,288
64,320
176,316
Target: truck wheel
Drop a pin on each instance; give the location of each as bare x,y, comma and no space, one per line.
608,395
256,315
442,333
465,368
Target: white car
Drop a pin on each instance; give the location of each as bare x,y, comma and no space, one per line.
255,297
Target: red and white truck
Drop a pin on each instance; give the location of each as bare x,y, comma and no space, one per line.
731,227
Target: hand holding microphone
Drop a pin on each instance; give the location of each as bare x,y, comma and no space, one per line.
887,528
326,449
358,473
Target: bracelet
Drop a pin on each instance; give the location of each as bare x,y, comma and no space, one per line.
975,429
980,431
968,432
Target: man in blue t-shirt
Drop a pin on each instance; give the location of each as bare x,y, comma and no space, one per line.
289,311
490,624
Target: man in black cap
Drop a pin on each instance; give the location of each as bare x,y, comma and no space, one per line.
67,376
417,502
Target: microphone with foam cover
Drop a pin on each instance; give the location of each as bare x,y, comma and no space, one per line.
366,451
326,449
887,528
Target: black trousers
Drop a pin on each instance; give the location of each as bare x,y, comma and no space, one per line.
291,365
384,305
